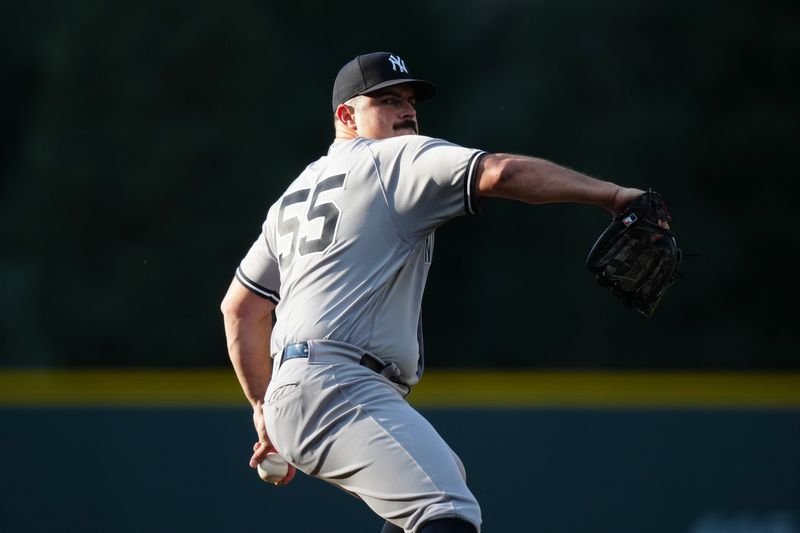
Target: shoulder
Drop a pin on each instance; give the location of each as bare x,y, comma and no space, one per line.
409,140
407,143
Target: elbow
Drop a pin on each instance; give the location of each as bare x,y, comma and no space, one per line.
229,307
239,304
234,304
496,173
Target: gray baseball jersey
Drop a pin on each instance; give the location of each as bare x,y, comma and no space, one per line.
345,251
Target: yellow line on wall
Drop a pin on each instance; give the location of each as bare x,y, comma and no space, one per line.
611,389
46,388
481,389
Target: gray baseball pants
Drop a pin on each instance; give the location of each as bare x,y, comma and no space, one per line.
338,421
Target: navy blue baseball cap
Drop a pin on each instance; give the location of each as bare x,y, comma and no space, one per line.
371,72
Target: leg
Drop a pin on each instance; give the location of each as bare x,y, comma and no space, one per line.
349,427
405,471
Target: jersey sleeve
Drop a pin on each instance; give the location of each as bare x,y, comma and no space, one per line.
259,270
427,181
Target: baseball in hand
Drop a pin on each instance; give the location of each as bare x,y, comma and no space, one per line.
273,468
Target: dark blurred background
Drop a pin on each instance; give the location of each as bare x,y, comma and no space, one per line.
143,142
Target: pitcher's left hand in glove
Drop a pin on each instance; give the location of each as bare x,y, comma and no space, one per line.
637,256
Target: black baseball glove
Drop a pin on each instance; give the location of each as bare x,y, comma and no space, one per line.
637,256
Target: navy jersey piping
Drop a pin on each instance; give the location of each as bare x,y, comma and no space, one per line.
471,201
254,287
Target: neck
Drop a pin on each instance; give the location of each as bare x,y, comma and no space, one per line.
343,133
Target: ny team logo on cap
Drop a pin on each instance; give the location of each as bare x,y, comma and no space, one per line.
398,64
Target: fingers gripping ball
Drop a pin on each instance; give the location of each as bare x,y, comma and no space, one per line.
274,469
637,256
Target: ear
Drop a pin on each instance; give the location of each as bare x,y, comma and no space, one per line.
346,115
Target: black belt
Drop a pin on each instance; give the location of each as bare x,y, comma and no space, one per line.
388,370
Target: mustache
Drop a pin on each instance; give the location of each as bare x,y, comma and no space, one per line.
407,124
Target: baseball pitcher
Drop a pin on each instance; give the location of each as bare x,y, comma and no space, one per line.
342,259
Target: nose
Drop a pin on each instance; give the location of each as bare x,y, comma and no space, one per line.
408,110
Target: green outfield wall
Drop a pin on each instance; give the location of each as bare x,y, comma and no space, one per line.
550,452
